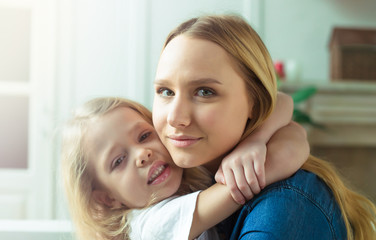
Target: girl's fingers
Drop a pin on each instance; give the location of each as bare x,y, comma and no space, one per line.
251,180
219,177
242,184
259,169
231,184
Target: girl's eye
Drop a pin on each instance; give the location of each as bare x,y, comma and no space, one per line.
205,92
144,136
118,161
165,92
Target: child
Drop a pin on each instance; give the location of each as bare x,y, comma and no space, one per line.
122,183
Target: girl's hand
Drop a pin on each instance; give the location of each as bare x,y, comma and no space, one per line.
243,171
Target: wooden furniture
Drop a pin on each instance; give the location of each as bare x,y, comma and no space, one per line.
353,54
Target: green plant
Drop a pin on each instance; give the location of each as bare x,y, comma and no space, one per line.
301,96
298,97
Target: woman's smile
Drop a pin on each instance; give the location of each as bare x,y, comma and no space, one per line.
183,141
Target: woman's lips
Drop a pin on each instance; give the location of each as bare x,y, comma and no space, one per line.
183,141
158,173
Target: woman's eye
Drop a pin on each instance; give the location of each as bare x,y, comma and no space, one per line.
118,161
165,92
144,136
205,92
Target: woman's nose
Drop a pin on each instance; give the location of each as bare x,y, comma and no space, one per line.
144,156
179,114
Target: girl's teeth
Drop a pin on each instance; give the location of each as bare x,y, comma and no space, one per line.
156,173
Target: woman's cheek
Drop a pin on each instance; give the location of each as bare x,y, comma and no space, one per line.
209,118
159,120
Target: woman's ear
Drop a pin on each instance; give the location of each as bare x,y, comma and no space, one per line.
104,198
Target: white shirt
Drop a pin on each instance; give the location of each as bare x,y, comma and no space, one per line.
170,219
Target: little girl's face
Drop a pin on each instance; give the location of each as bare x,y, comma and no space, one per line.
129,161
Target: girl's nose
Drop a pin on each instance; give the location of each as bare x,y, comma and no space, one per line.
179,114
143,157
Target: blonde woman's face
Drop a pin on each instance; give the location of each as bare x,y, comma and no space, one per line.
129,161
200,104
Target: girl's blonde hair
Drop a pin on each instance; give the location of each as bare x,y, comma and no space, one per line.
254,63
92,219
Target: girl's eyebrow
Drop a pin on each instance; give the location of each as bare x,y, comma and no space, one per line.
198,81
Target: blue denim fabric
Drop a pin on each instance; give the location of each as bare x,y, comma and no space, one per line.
300,207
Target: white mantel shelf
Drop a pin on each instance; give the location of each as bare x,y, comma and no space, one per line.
347,109
337,87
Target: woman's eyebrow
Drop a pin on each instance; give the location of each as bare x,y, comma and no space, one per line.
160,81
201,81
198,81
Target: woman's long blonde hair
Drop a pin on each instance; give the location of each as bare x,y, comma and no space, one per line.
254,63
92,219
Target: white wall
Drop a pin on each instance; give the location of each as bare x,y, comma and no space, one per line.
300,30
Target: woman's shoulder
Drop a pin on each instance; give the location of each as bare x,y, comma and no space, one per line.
302,200
305,182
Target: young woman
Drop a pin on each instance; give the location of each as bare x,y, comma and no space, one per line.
121,182
211,71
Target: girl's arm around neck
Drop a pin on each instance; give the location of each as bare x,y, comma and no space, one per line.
216,203
288,149
243,170
280,117
213,205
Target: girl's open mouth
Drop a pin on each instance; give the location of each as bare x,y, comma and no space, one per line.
159,174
